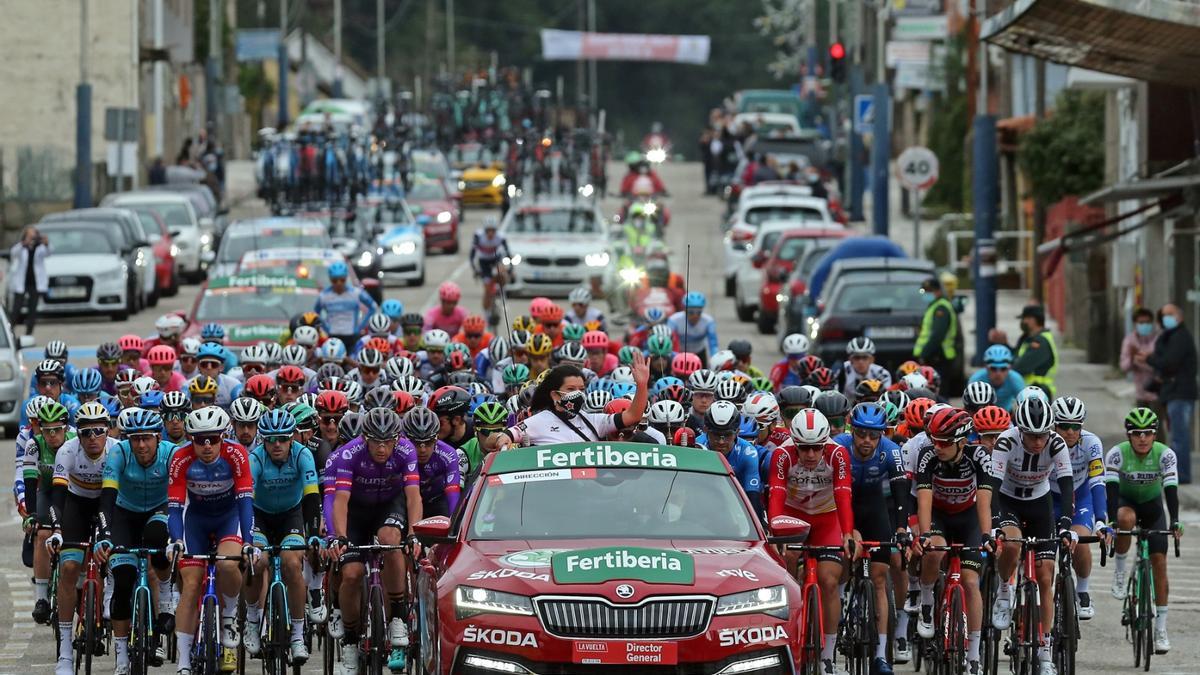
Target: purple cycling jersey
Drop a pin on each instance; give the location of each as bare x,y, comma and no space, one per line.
439,476
352,469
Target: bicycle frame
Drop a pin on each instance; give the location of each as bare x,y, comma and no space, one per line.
202,652
950,652
1137,612
141,649
276,643
807,586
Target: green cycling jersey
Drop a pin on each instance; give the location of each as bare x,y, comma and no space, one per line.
1141,478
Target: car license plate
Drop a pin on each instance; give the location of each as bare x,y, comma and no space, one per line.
625,652
67,292
890,332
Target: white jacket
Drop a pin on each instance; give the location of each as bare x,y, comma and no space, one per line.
19,258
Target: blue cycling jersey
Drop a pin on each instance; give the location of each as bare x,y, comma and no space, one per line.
1006,395
279,486
69,402
344,313
139,488
744,460
869,476
701,336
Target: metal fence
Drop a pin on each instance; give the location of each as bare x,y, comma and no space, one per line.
1013,252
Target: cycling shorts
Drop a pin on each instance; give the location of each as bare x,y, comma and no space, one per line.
43,502
436,507
487,268
279,529
202,533
825,530
1084,515
363,522
77,519
136,529
1151,516
959,528
1035,519
873,520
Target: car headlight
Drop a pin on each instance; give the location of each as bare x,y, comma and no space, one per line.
444,217
462,185
404,248
498,181
140,259
6,371
514,260
513,191
650,208
470,600
631,276
586,190
365,259
206,239
771,600
596,259
814,327
656,155
174,250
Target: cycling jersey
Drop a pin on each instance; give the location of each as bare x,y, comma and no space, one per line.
1087,468
699,337
743,458
210,490
80,474
869,476
825,488
590,314
550,426
485,251
954,484
352,469
1006,394
69,402
850,377
782,375
473,454
451,323
139,488
1025,475
280,486
344,313
1142,478
23,436
39,459
440,477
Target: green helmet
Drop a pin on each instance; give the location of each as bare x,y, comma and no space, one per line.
515,374
1137,419
491,414
625,355
892,411
457,347
633,157
636,210
762,384
659,345
305,414
52,412
573,332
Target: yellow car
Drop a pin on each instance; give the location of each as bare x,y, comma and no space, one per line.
482,182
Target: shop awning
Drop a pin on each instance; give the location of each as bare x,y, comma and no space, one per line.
1141,189
1151,40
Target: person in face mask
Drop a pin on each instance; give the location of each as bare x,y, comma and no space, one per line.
1139,342
1174,364
935,345
1037,353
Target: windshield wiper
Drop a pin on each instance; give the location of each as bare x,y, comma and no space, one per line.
872,310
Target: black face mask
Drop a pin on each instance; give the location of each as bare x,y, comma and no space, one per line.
571,402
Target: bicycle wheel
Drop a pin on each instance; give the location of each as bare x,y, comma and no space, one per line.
954,660
862,650
989,637
811,647
139,633
1066,624
279,631
1146,610
89,628
377,632
210,638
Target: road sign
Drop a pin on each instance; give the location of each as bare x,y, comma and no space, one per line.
917,168
864,113
257,44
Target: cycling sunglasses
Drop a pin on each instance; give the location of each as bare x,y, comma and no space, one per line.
873,434
277,439
412,330
809,448
1136,432
92,432
331,419
206,439
1069,426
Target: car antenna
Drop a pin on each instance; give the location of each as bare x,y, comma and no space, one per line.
687,277
504,301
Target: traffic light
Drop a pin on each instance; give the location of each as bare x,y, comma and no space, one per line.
837,62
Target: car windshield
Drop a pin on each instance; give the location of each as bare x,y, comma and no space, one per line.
613,503
235,244
760,214
427,191
471,154
79,241
553,221
254,304
896,297
317,270
810,262
150,228
174,215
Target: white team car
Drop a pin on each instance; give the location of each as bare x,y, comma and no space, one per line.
555,245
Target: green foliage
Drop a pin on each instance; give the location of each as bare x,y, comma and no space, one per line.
255,88
1064,153
947,132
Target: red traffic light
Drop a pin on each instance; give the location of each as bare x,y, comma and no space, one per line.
837,51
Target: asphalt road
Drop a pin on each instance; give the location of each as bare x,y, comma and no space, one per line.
26,648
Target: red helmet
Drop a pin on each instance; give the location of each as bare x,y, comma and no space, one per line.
290,375
330,401
537,307
131,343
595,339
404,401
161,355
552,314
685,363
474,324
949,424
821,378
380,344
931,376
914,414
810,363
992,419
449,292
617,405
260,387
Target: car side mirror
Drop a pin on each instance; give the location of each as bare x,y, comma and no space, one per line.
26,341
788,530
433,530
175,232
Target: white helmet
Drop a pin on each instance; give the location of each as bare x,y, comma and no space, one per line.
254,354
809,427
379,324
189,346
1069,409
436,339
813,392
860,345
207,420
498,349
915,381
1034,416
795,345
934,409
667,412
721,360
274,352
143,385
246,409
621,374
169,325
703,380
293,355
398,367
595,400
1031,392
763,407
306,336
580,296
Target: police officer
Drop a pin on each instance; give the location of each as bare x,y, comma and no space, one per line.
935,345
1037,355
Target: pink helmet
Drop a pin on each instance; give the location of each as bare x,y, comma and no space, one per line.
538,307
449,292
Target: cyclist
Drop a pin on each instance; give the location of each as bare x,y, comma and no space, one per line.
437,462
791,371
287,512
56,350
376,495
378,326
412,328
189,349
289,380
174,410
703,384
452,405
132,348
74,509
211,364
108,362
1091,502
990,421
582,313
1139,473
24,434
550,323
696,328
162,368
599,359
38,470
978,395
343,308
539,348
741,350
245,413
1022,462
488,250
169,327
211,475
133,501
86,385
954,505
448,315
474,335
874,461
810,479
491,417
998,372
49,376
721,423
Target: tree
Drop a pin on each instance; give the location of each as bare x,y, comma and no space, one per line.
1064,153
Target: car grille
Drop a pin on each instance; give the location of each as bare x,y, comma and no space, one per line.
581,617
478,184
541,261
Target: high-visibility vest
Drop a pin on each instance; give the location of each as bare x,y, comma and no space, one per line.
1044,380
948,350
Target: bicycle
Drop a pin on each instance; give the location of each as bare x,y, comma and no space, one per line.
206,650
811,622
1137,611
373,649
143,642
1026,628
90,634
1066,616
859,635
276,620
948,653
989,637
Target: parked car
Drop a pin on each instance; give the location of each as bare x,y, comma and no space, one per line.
209,212
132,244
166,269
12,392
748,274
556,245
262,233
790,295
776,205
430,197
180,215
90,270
774,265
397,237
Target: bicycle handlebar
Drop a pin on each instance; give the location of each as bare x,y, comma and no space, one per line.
1142,533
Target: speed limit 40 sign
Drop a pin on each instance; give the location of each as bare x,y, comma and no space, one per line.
918,168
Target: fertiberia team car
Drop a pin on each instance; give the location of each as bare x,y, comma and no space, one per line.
605,557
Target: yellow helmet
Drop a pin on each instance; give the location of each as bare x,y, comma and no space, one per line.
539,345
203,385
523,322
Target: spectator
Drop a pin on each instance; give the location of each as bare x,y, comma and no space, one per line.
1140,342
157,174
1174,364
27,278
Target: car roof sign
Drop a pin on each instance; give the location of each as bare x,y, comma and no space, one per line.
606,454
261,281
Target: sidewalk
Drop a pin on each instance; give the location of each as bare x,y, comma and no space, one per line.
240,184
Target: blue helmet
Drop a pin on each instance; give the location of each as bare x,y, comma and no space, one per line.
619,389
210,350
664,382
694,300
86,381
478,400
868,416
212,332
748,428
338,270
333,349
276,423
111,403
151,399
654,315
998,355
393,308
142,421
600,384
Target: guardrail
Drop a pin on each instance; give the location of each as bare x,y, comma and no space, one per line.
1013,249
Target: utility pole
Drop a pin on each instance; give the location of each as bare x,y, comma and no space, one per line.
380,51
580,71
283,64
595,89
212,75
83,116
984,186
881,144
450,36
854,24
337,48
1039,204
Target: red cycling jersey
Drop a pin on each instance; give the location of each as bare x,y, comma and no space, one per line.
800,492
